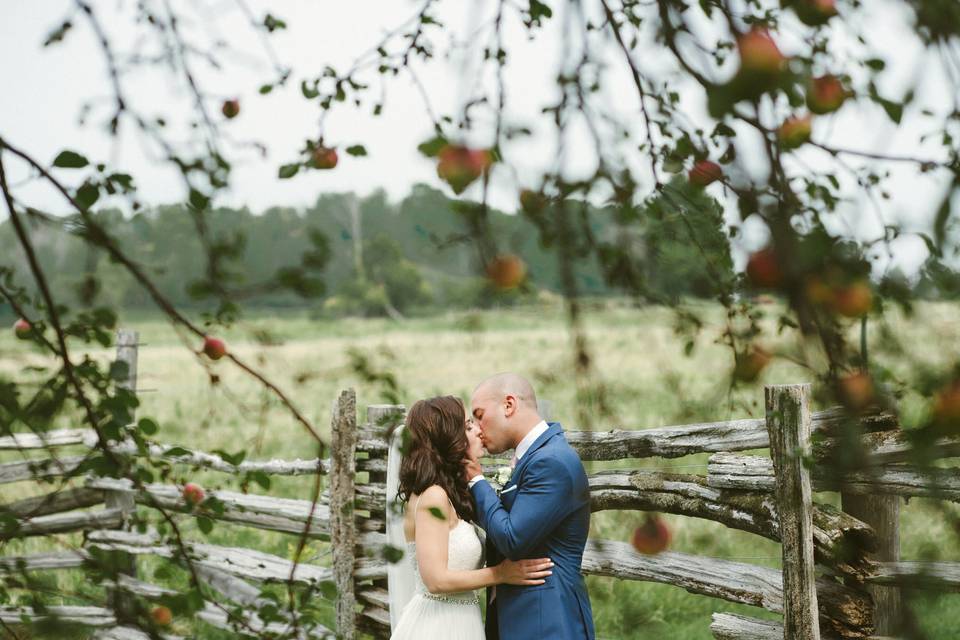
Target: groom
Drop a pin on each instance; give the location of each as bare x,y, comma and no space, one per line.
542,511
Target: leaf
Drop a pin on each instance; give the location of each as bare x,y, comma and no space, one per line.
894,110
392,554
432,147
539,10
198,200
288,171
437,513
58,34
357,150
328,589
148,426
265,89
205,524
261,479
70,160
272,23
176,452
87,195
875,63
309,92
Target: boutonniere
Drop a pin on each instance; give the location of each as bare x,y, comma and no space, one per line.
501,478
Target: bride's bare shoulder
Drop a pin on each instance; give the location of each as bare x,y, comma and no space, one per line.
433,497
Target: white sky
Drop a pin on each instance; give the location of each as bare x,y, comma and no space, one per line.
44,89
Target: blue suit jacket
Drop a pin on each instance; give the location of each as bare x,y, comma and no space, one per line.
542,512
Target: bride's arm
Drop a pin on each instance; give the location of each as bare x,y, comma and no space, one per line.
432,536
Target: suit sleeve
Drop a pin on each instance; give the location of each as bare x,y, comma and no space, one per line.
542,502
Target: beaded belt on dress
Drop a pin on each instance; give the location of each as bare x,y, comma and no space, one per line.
442,598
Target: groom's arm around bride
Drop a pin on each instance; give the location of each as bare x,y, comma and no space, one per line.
542,511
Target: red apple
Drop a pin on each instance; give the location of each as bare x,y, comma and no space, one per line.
214,348
795,131
815,12
161,616
230,108
193,494
852,300
506,271
763,270
324,157
856,390
704,172
22,329
818,292
946,406
749,365
652,536
759,55
459,166
825,94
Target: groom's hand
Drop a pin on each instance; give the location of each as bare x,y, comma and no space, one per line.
471,469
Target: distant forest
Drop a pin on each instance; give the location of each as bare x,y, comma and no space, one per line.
367,256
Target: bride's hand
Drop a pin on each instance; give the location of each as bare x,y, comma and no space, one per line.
524,572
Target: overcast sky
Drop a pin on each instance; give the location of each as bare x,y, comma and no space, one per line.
44,90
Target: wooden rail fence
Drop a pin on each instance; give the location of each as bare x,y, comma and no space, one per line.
837,564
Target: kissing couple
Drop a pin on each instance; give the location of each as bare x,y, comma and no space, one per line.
524,542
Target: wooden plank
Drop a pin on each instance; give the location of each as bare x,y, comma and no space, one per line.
54,502
674,441
43,561
731,626
942,576
728,626
284,515
128,633
66,522
343,531
834,532
213,462
38,468
755,473
886,447
86,616
48,440
843,610
238,561
788,423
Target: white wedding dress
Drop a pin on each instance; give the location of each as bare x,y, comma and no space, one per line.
450,616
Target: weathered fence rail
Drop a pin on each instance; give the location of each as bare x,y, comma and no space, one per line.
767,496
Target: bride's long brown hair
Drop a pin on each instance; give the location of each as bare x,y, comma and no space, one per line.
435,445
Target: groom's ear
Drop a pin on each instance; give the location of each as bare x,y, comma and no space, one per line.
510,405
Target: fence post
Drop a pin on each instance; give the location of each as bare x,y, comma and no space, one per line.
883,514
343,528
123,604
789,426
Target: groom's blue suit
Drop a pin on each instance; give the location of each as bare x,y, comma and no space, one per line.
543,512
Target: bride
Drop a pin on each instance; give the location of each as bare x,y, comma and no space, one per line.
444,547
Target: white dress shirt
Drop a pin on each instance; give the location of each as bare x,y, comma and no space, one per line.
522,448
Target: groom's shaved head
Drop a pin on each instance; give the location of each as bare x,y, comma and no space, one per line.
509,384
505,408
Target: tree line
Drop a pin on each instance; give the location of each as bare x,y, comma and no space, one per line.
351,255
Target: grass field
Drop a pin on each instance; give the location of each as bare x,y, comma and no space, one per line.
636,356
